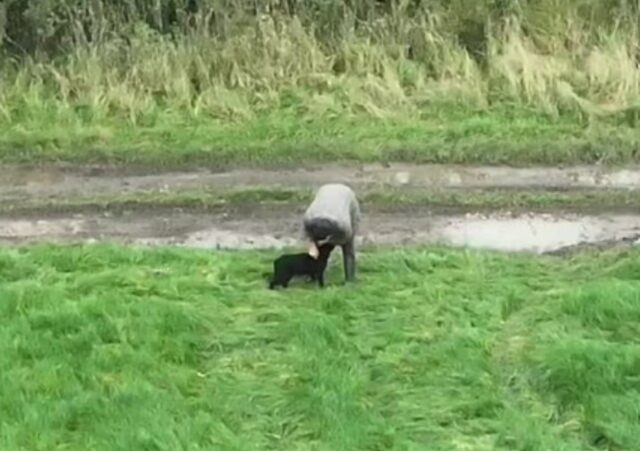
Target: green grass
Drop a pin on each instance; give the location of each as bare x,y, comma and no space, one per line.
108,348
284,139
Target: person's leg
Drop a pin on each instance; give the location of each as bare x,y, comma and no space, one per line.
349,260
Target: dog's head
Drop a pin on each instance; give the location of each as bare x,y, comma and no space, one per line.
325,250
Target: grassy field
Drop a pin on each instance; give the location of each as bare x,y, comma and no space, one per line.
108,348
546,82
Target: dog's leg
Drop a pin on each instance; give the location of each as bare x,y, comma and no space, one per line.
285,282
275,281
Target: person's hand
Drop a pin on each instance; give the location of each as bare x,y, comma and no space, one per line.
313,251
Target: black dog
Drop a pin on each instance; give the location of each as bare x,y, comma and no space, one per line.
288,266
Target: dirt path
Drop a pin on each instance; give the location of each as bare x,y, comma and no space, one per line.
279,226
19,182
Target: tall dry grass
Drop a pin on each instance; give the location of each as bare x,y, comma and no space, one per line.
345,60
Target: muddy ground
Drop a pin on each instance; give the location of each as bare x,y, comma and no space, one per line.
276,226
20,182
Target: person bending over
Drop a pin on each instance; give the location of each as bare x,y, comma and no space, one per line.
333,217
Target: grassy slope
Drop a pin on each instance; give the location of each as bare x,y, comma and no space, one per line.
111,348
282,138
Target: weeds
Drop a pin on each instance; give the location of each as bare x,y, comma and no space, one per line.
122,85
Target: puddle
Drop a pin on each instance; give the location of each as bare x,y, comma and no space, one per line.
274,228
536,233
